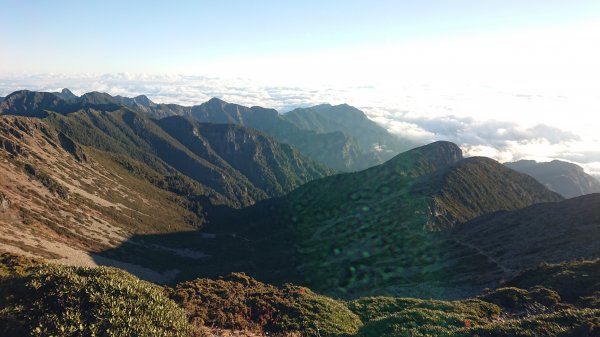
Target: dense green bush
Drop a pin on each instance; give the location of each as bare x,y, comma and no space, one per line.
390,316
563,323
240,302
69,301
16,265
572,280
524,302
426,322
415,323
372,308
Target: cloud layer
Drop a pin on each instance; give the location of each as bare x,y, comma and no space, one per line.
483,121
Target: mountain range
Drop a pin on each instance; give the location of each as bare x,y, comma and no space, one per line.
262,207
173,193
341,137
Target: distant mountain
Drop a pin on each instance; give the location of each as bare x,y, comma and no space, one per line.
368,135
350,141
31,103
334,149
568,179
375,231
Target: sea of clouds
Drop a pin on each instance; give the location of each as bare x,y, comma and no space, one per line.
488,121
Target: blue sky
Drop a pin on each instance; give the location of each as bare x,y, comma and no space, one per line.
506,79
177,36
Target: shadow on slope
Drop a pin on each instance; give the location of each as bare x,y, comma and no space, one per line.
378,231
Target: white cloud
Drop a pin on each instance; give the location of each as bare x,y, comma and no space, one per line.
483,120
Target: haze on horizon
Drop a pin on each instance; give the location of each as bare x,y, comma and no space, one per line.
505,79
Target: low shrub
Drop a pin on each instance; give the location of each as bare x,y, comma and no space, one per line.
521,302
240,302
16,265
69,301
571,280
563,323
371,308
418,322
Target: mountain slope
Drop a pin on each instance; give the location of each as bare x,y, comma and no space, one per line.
375,231
478,185
88,180
549,233
565,178
132,134
62,201
271,166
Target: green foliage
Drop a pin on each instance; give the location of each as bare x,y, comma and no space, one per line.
376,231
390,316
516,300
15,265
421,322
563,323
68,301
372,308
240,302
415,323
571,280
310,312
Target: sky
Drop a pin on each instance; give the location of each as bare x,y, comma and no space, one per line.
506,79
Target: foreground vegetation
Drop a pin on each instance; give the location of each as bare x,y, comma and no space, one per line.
37,299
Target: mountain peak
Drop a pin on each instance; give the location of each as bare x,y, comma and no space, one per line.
442,146
426,158
143,100
66,94
215,100
66,91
